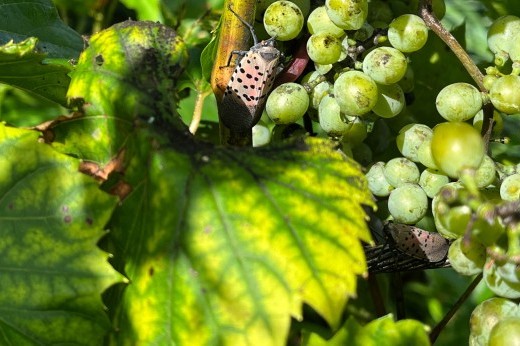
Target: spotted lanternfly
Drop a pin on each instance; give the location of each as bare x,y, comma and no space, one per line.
252,79
418,243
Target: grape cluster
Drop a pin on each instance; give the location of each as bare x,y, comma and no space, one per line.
441,178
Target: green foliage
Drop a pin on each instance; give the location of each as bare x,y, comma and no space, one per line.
50,220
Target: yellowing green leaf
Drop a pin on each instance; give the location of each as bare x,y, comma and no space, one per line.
224,246
52,272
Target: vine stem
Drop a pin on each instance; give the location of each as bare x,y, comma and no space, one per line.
197,111
425,11
440,326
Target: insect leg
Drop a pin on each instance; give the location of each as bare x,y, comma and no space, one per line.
249,26
240,54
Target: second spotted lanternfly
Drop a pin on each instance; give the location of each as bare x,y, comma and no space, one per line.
252,79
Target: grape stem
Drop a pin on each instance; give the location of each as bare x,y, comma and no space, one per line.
426,12
440,326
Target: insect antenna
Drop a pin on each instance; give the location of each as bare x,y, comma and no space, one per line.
249,26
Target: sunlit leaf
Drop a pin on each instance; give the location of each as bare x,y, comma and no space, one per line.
52,273
146,10
224,246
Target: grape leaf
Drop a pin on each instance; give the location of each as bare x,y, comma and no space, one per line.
22,19
383,331
53,274
223,246
23,66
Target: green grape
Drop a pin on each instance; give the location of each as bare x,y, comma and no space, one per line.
355,92
508,271
487,315
377,183
458,102
410,138
468,261
432,181
489,80
261,134
500,34
486,173
510,188
456,146
283,20
319,90
319,21
408,33
390,101
385,65
287,103
400,170
499,285
408,203
322,69
332,121
324,48
505,332
504,94
262,5
347,14
440,209
424,154
498,122
356,133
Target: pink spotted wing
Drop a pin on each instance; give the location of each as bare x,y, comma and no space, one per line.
247,90
418,243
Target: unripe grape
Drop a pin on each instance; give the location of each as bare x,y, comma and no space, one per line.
262,5
456,146
318,91
424,154
410,138
486,315
510,188
468,261
332,121
385,65
324,48
319,21
440,210
390,101
486,172
458,102
261,134
498,284
355,92
347,14
287,103
504,94
377,183
501,32
505,332
408,33
408,203
283,20
400,170
432,181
